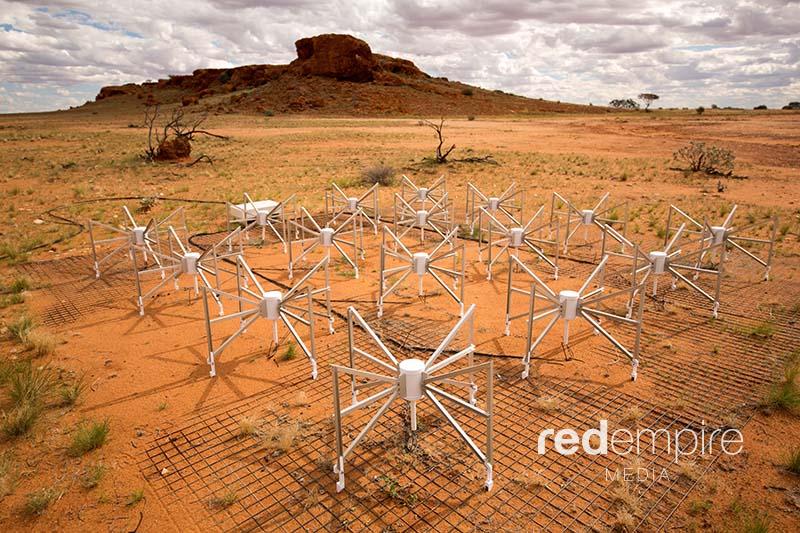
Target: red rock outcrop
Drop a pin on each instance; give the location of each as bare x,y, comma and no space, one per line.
333,74
335,56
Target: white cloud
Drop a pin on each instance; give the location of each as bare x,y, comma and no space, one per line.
729,52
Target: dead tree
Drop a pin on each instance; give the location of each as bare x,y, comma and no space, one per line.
172,140
441,158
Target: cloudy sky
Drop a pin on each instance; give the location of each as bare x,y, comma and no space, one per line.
740,53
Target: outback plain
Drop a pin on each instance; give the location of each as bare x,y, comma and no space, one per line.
127,432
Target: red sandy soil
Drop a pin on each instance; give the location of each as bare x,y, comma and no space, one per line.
148,375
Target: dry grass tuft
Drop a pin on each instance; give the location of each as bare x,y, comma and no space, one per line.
19,420
8,474
281,438
29,384
690,471
548,404
624,521
625,497
88,437
70,393
793,461
37,502
20,328
632,414
224,501
135,497
785,394
41,343
248,426
93,475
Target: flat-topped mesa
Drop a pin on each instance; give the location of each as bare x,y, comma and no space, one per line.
332,74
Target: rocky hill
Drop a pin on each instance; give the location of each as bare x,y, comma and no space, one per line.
332,75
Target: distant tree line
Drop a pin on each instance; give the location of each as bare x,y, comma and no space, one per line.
630,103
649,98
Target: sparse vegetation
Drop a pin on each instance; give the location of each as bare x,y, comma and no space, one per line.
394,490
764,330
20,328
248,425
785,394
751,520
440,155
624,103
290,353
135,497
70,393
88,437
380,174
19,284
93,475
37,502
708,159
224,501
41,343
19,420
648,98
30,385
8,474
699,507
793,461
548,404
281,437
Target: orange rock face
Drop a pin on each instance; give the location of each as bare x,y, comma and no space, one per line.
335,56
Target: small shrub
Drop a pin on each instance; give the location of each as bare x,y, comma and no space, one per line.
21,328
471,118
290,353
269,113
700,110
38,501
93,475
381,174
711,159
467,91
88,437
135,497
19,420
